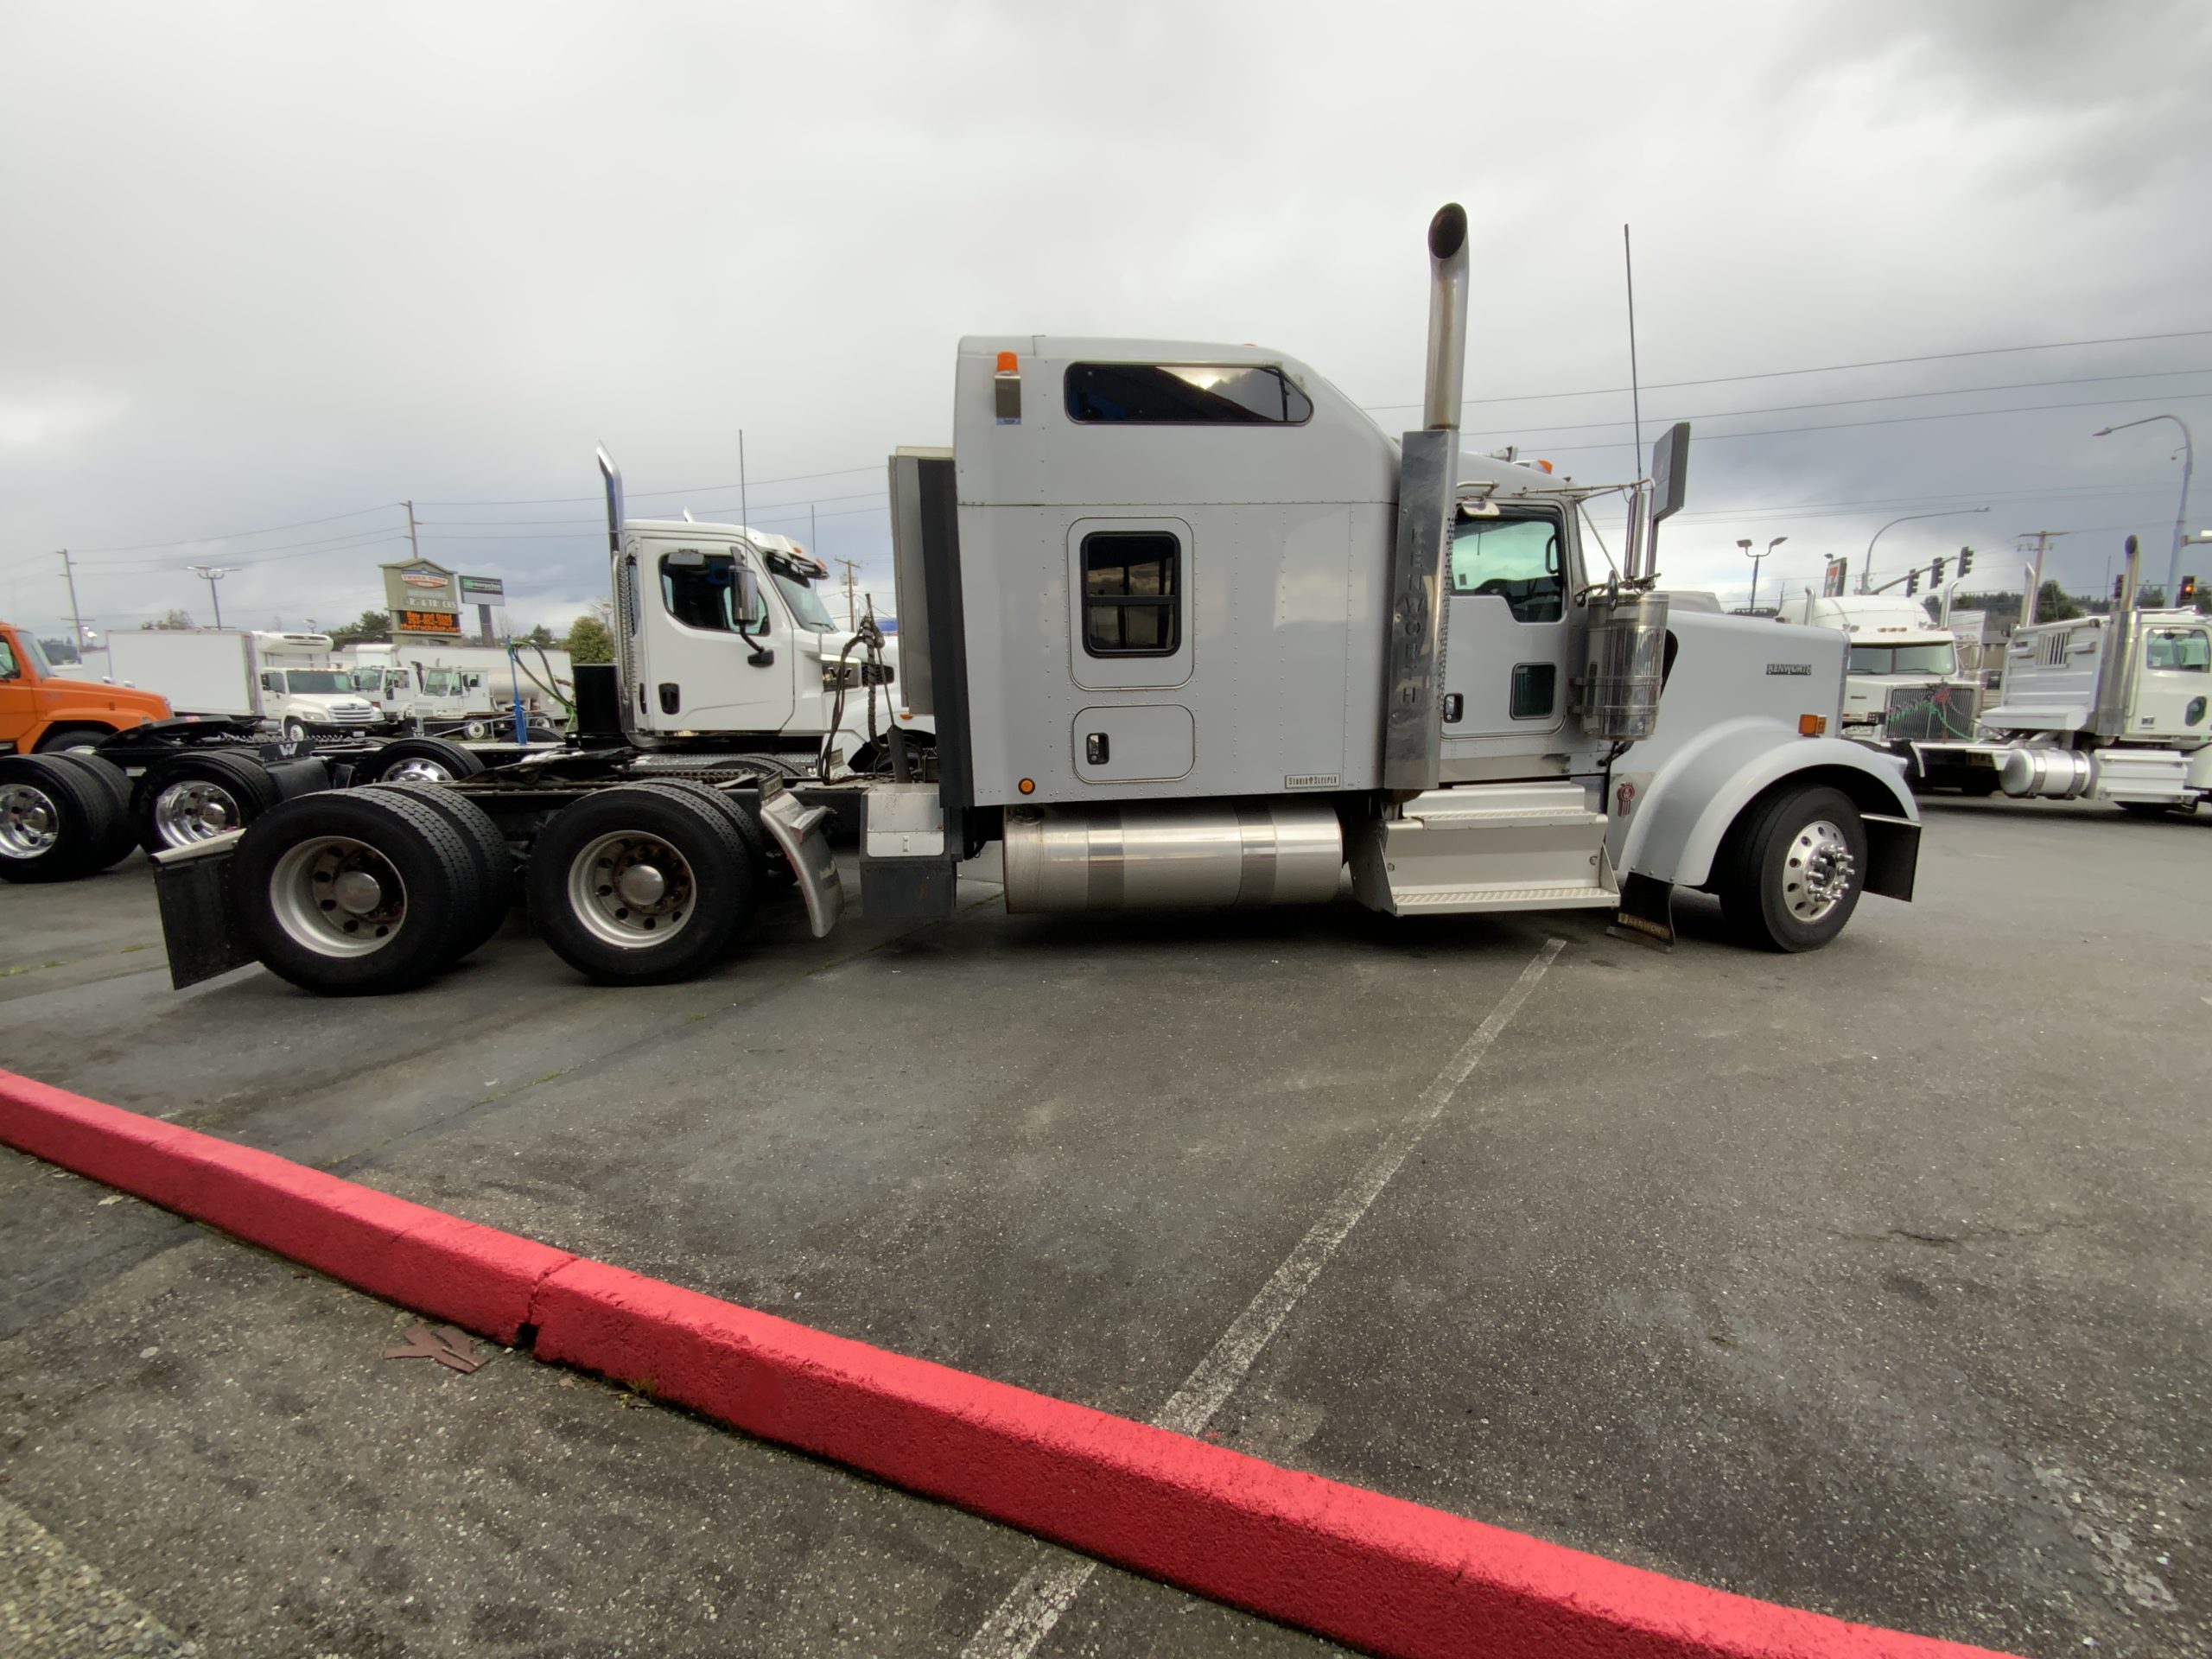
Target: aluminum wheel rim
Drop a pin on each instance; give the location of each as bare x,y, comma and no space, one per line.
187,813
338,897
1816,872
418,769
630,890
30,823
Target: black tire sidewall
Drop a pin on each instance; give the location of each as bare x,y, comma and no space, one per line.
88,818
1753,897
490,895
725,884
122,834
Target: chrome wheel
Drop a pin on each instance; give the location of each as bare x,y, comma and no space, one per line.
630,890
1817,870
187,813
337,897
30,822
416,769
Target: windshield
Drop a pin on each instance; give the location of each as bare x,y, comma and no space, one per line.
807,609
1901,659
317,680
36,653
441,682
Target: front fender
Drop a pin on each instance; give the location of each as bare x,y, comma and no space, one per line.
1681,813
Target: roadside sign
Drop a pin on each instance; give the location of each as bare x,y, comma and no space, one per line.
438,622
483,590
1832,583
421,598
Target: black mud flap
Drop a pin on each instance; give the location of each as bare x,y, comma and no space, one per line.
192,884
1892,855
1647,912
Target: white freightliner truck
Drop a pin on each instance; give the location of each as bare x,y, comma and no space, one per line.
1902,682
1193,631
2110,707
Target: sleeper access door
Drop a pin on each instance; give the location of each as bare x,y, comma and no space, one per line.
1505,629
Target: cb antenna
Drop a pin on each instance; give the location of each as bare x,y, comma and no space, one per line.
1635,390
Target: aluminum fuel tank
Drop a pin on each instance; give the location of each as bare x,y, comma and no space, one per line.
1188,853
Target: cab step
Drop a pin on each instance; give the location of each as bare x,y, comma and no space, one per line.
1486,847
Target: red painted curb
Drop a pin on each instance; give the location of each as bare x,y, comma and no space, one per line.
1376,1571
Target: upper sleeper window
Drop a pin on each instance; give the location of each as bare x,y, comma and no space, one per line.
1132,595
1185,394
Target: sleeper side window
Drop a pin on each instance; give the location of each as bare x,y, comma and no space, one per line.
1183,394
1517,559
1132,594
700,590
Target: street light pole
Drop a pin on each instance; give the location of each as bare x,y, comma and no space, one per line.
1867,569
2181,519
213,573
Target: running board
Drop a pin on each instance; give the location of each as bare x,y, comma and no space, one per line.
1486,847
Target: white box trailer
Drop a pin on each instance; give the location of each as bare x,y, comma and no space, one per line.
293,680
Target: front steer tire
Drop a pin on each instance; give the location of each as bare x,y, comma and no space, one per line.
352,894
640,885
1777,874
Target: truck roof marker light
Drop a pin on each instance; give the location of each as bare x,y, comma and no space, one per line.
1812,725
1028,785
1546,465
1007,362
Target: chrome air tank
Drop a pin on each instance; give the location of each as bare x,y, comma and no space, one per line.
1185,854
1626,665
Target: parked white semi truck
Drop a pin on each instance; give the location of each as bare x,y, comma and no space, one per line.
2110,707
1902,682
1193,631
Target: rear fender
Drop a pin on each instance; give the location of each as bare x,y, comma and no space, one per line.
1678,816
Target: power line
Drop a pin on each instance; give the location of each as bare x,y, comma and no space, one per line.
237,535
703,489
1827,368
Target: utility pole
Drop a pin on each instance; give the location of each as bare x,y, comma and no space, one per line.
2042,539
852,579
76,620
212,574
413,551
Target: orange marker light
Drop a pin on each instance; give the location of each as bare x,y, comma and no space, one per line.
1005,362
1546,465
1812,725
1028,785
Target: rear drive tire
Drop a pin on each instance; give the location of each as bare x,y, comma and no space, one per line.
194,798
749,833
2147,808
1978,785
640,885
420,761
352,895
123,834
54,819
491,893
1792,868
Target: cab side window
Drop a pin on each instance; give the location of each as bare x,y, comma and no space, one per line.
9,671
271,681
700,590
1518,560
2178,650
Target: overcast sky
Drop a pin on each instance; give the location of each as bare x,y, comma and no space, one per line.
274,264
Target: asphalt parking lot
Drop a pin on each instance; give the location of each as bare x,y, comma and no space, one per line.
1874,1282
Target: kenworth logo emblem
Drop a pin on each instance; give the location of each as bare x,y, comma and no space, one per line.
1789,668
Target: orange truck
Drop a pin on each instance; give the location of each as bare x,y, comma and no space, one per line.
42,710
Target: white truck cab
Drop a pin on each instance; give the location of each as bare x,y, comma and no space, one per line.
298,685
1902,682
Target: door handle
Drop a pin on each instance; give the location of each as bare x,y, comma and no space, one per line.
1455,704
1096,748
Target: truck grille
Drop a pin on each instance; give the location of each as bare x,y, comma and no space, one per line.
1927,714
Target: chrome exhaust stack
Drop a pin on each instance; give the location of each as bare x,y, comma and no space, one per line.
1448,319
612,476
2113,664
1428,475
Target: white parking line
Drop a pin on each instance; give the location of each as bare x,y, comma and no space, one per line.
1046,1591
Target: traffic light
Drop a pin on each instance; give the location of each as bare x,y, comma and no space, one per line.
2118,587
1912,580
2187,592
1965,559
1936,574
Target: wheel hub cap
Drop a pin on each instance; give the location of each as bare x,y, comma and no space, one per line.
188,813
356,892
28,822
337,896
1817,871
630,889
